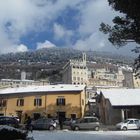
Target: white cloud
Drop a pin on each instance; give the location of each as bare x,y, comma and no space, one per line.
92,14
91,42
22,48
14,48
20,17
60,32
97,42
46,44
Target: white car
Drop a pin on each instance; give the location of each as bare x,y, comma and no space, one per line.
129,124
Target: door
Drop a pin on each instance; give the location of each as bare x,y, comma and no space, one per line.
61,116
131,125
36,116
19,115
93,122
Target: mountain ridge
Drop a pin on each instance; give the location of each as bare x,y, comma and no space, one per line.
60,54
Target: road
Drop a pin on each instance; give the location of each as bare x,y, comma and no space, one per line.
85,135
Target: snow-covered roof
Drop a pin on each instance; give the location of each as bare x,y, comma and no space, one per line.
106,87
46,88
122,97
16,80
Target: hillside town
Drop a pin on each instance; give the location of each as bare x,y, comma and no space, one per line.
70,69
106,91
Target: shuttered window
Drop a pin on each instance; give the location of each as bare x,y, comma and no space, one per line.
60,101
37,102
20,102
3,102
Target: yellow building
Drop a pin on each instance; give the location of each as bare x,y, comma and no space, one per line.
50,101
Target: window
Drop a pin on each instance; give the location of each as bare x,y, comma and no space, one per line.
85,120
38,101
131,122
74,78
93,120
20,102
3,102
136,121
60,101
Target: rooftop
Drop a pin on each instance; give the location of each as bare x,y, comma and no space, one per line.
46,88
122,97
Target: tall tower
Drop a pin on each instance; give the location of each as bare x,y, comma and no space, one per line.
76,72
84,58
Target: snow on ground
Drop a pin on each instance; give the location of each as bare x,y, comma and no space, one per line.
129,133
85,135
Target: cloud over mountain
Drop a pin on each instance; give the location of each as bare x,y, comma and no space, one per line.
46,44
69,23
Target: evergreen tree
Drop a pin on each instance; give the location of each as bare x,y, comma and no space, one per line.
126,28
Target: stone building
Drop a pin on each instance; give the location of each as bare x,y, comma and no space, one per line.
128,79
136,81
98,74
116,105
104,75
76,72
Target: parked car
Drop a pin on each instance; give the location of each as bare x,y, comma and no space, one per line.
88,123
17,118
10,121
44,123
69,121
129,124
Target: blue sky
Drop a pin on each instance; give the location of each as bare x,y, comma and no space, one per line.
34,24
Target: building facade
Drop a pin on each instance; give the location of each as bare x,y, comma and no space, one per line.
50,101
104,75
76,72
98,74
136,81
116,105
